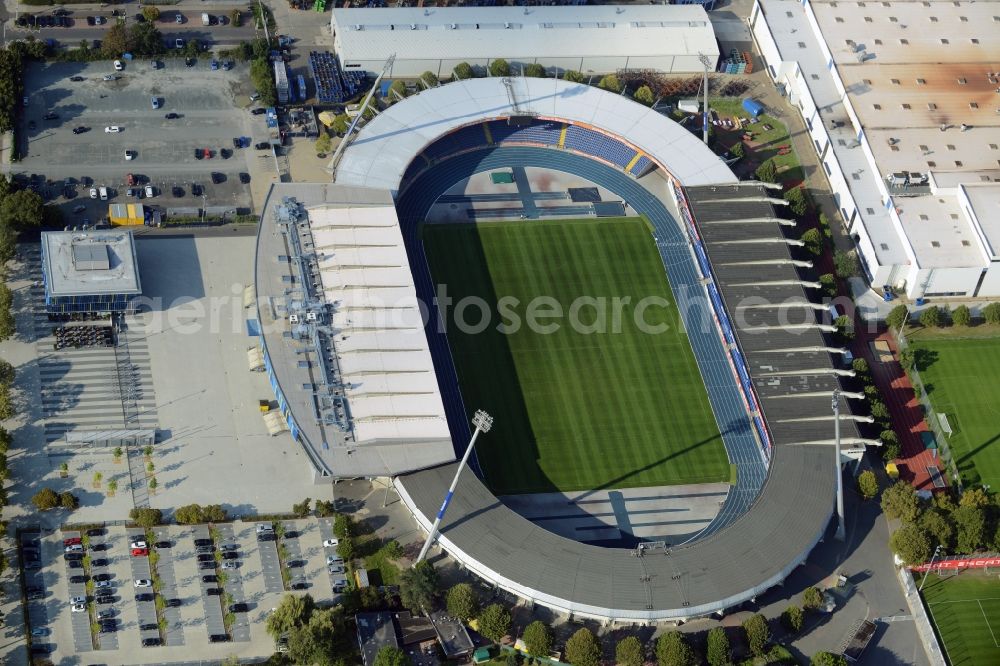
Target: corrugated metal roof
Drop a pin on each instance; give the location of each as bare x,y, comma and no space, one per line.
520,32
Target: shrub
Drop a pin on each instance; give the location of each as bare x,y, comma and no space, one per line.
346,548
644,95
397,91
68,500
151,13
824,224
828,659
860,366
737,149
962,316
898,316
573,76
767,172
45,499
792,618
812,598
813,241
880,411
867,484
343,526
798,201
463,70
611,84
991,313
845,327
429,78
829,284
499,67
890,445
845,264
535,71
758,634
931,317
146,517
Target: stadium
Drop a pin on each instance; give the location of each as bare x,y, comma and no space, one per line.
369,398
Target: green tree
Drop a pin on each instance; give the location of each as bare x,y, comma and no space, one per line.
494,622
974,497
499,67
64,470
991,313
798,201
644,95
153,485
146,39
537,639
21,210
294,611
824,224
812,598
629,652
301,510
151,13
860,366
535,71
68,500
397,91
45,499
867,484
341,123
463,70
610,83
214,513
343,526
845,264
346,548
98,477
189,514
8,237
236,18
970,528
828,659
813,241
117,453
429,79
418,587
845,327
262,78
672,649
930,317
767,172
719,653
900,501
792,618
758,634
112,487
320,640
582,649
146,517
462,601
911,544
938,527
737,150
390,656
898,316
148,451
962,316
323,144
6,439
150,467
573,76
880,411
829,284
117,40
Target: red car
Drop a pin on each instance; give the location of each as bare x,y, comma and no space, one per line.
140,552
72,541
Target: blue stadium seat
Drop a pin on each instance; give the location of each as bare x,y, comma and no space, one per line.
601,146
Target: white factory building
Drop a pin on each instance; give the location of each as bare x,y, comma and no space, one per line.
902,101
594,40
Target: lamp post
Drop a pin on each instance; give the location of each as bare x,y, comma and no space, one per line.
704,115
841,531
937,551
483,423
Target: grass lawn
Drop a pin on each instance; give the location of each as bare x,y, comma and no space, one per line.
966,613
765,143
575,410
962,378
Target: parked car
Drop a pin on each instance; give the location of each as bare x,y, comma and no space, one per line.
75,548
206,557
99,563
258,111
96,531
102,584
80,129
77,79
50,116
140,552
77,600
144,596
130,154
238,608
105,614
172,116
209,579
150,193
72,541
150,642
206,565
119,66
112,129
149,627
331,543
263,145
104,599
78,580
203,542
102,576
230,565
143,582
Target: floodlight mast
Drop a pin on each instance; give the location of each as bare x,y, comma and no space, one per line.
706,63
483,423
841,531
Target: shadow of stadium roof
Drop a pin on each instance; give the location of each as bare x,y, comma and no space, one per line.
725,568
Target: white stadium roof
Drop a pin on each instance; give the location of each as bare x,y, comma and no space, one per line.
383,149
381,347
415,33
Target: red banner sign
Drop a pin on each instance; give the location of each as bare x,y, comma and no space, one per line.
954,564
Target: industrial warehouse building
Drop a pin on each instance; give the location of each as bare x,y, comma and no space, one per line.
593,40
907,127
89,271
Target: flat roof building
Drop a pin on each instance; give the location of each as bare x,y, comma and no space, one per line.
590,39
342,333
89,271
902,102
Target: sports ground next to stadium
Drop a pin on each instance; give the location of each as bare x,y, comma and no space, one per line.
576,411
962,376
966,613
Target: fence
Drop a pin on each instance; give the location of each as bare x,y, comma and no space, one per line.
930,416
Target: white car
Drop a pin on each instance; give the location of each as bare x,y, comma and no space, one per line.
40,631
93,193
149,191
334,559
138,544
75,548
79,608
178,43
331,543
112,129
119,66
78,600
102,584
129,154
143,582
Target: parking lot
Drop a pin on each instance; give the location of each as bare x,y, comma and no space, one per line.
211,107
194,597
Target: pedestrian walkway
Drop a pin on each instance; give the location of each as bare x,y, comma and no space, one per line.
904,408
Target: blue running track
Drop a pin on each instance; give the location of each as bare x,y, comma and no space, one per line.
416,200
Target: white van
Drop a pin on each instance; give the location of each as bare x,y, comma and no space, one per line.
103,191
206,19
263,528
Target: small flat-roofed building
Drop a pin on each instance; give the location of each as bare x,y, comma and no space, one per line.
595,39
375,631
89,271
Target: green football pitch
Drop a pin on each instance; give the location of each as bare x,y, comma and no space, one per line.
577,408
962,377
965,609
